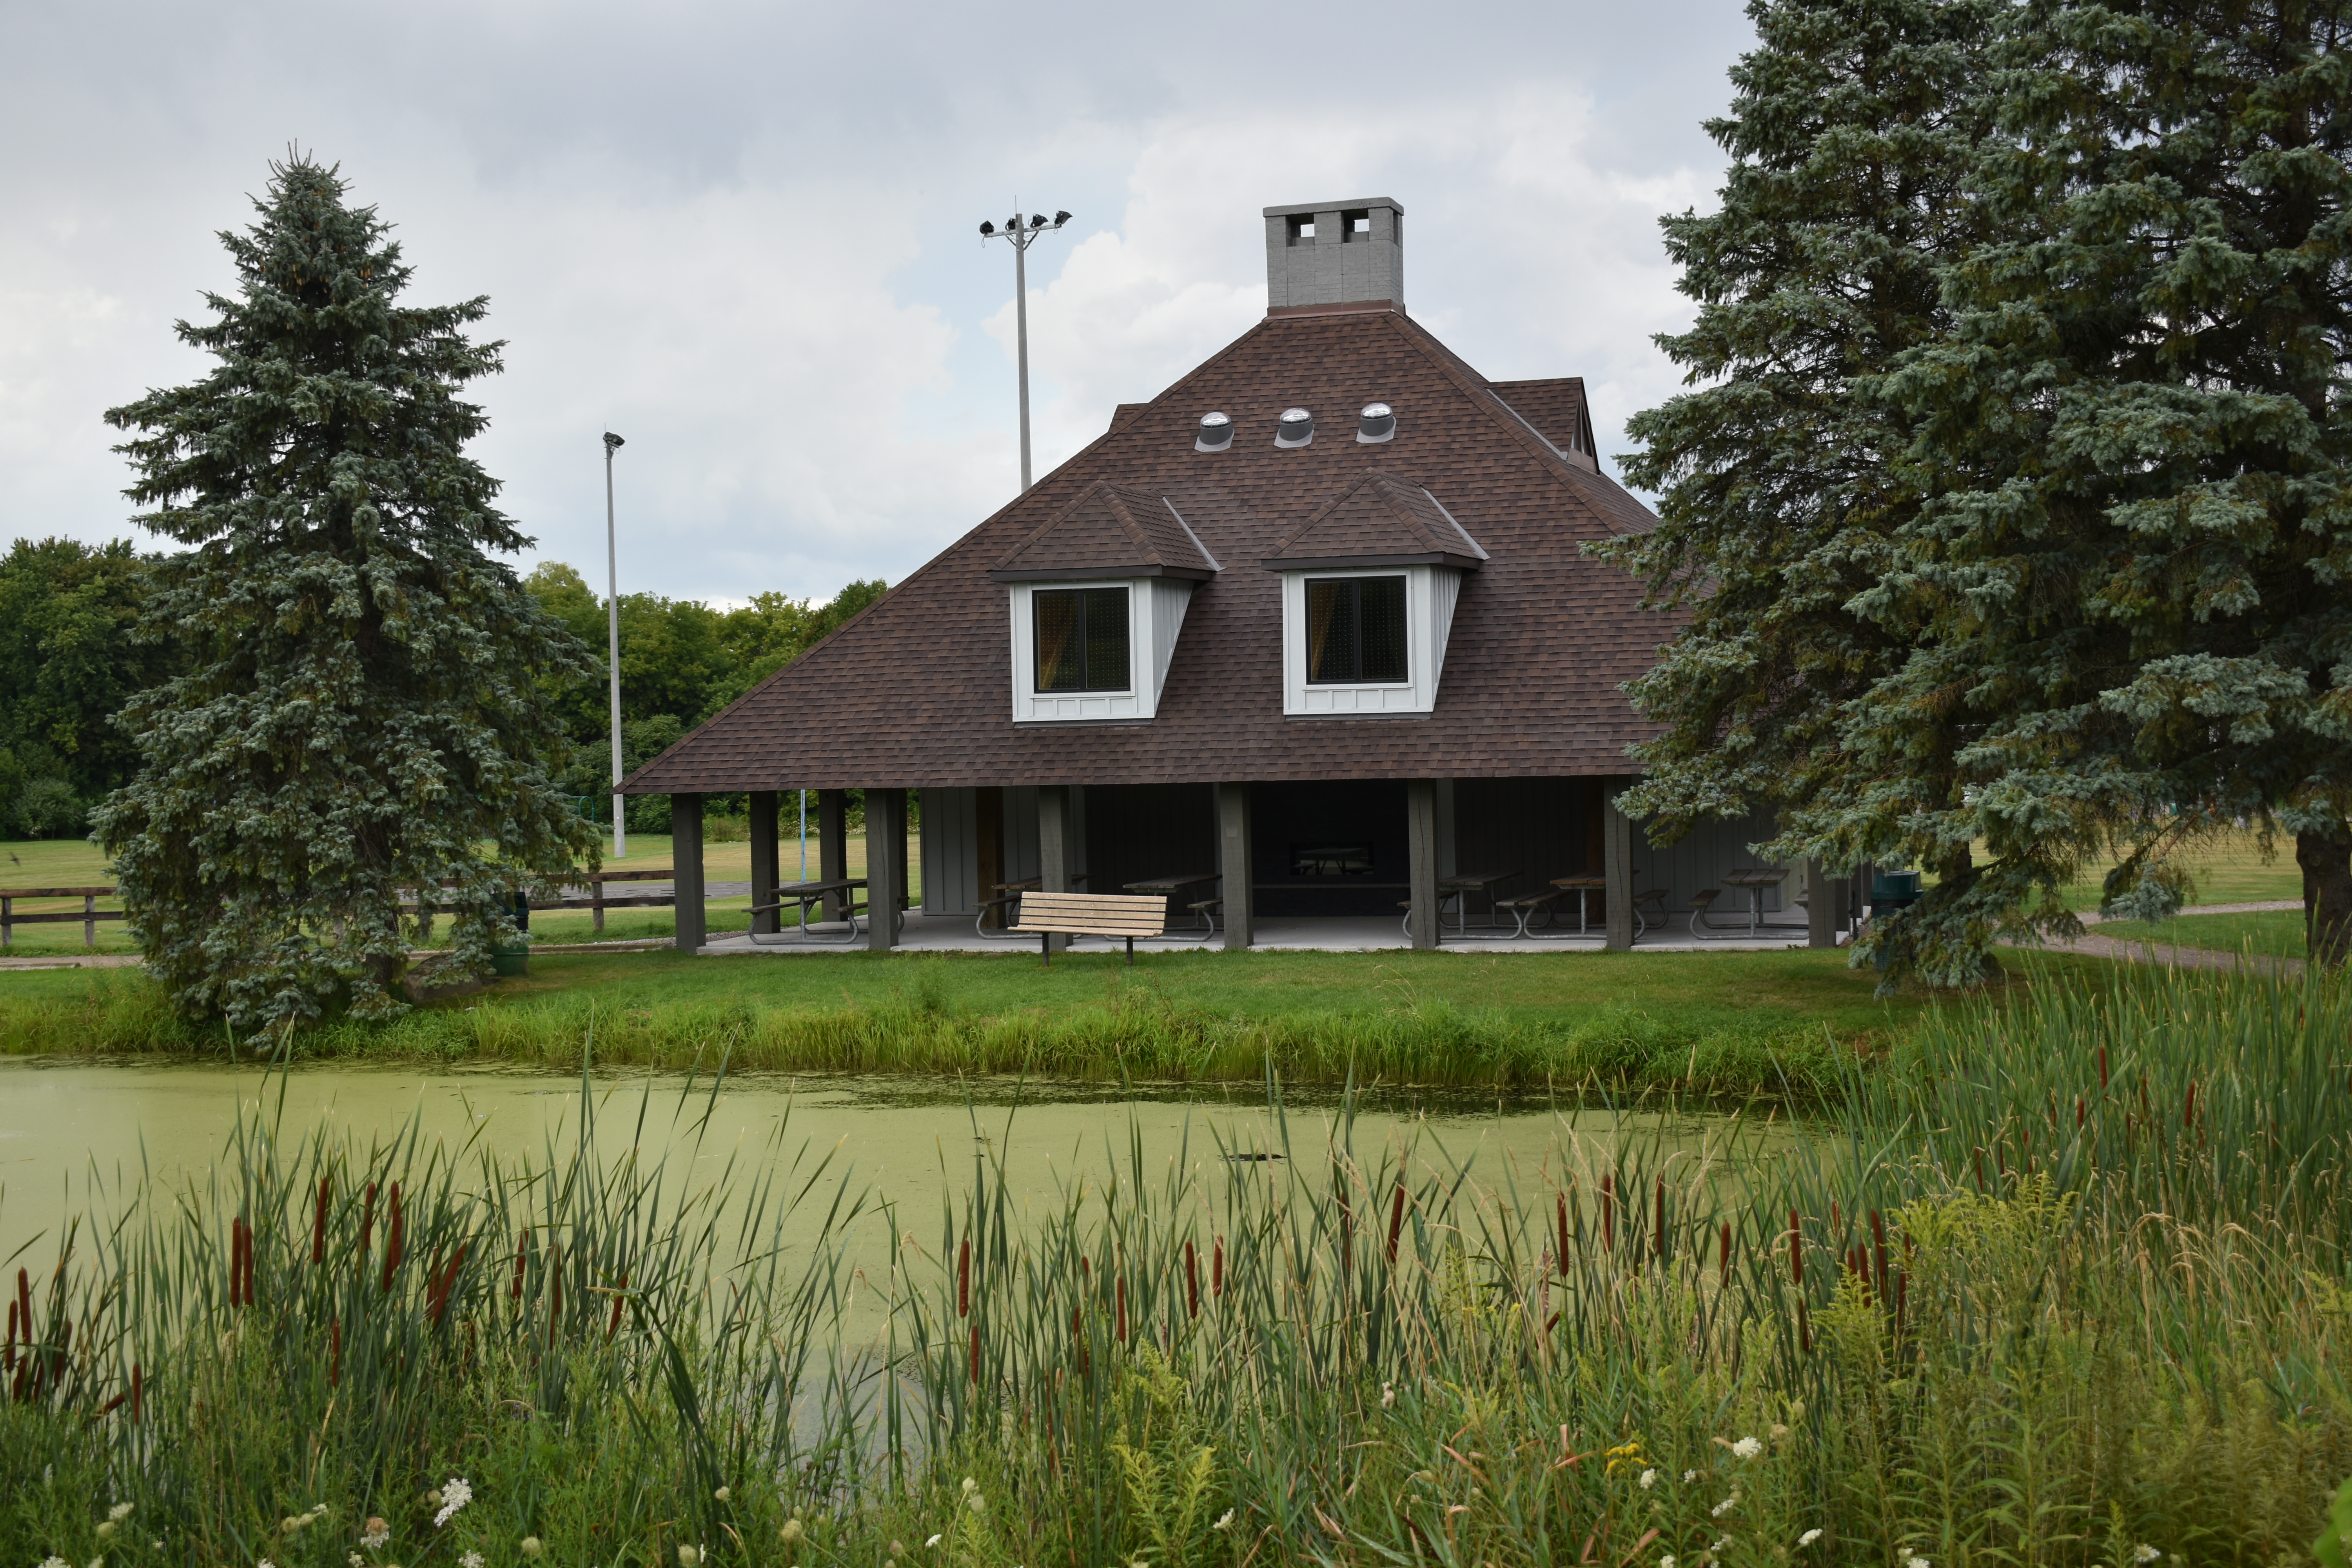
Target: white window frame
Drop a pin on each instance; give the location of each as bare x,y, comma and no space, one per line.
1155,613
1429,596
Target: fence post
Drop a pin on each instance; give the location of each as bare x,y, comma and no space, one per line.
598,903
90,920
7,921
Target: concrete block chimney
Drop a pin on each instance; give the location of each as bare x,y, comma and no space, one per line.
1335,255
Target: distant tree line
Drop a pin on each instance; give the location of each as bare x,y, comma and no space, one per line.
681,661
70,658
68,661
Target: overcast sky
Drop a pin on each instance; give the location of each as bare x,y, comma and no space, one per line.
745,236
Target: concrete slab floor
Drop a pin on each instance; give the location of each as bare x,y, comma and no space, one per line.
954,933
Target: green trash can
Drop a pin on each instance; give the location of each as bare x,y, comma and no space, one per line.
512,957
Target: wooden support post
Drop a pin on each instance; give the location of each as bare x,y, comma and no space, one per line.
886,865
90,920
1420,857
685,844
1617,866
988,830
833,845
7,921
596,900
763,807
1233,805
1056,851
1823,896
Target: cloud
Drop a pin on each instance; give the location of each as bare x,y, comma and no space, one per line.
743,235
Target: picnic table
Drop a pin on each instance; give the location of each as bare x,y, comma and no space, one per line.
1172,886
1583,886
1754,879
1459,886
808,895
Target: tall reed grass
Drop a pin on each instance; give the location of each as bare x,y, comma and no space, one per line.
2121,1343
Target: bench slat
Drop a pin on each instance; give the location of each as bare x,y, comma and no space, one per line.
1093,914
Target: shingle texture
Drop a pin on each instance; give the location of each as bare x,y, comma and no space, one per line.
917,690
1108,531
1380,518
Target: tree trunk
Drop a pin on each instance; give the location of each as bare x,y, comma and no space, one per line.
2326,861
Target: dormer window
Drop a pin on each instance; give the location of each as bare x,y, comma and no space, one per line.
1369,584
1356,630
1098,596
1082,642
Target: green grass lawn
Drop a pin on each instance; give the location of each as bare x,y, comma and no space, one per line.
2273,935
2226,870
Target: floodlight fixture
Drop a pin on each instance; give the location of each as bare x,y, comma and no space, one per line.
1022,232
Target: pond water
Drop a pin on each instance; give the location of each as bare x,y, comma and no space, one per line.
66,1126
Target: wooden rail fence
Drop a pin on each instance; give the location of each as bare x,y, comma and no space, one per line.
90,914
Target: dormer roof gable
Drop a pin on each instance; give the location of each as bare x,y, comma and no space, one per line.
1108,531
1380,520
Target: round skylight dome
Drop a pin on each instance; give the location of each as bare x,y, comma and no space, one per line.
1296,428
1377,423
1216,433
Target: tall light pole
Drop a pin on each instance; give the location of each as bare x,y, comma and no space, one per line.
1023,232
613,645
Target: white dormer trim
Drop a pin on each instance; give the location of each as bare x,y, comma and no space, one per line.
1155,617
1430,594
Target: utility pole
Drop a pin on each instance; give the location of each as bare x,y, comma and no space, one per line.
1022,232
613,645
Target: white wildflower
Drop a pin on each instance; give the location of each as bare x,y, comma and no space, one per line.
721,1495
1778,1432
53,1561
1809,1537
2144,1552
792,1530
470,1560
377,1534
1649,1479
1226,1522
1666,1561
687,1556
1388,1394
456,1493
528,1546
1914,1563
98,1562
1748,1447
265,1562
978,1503
1726,1505
934,1540
355,1560
121,1510
969,1486
1689,1476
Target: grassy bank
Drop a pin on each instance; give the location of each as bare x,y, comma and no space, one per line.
1706,1022
2121,1343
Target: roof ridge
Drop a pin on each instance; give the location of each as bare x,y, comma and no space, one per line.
1483,395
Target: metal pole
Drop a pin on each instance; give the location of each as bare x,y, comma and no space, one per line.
612,647
803,794
1021,320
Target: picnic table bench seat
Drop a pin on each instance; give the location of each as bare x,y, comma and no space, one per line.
1525,907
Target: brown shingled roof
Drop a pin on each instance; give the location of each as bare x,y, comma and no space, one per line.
917,690
1108,531
1379,521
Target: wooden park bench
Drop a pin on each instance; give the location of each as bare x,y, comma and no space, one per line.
1048,915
